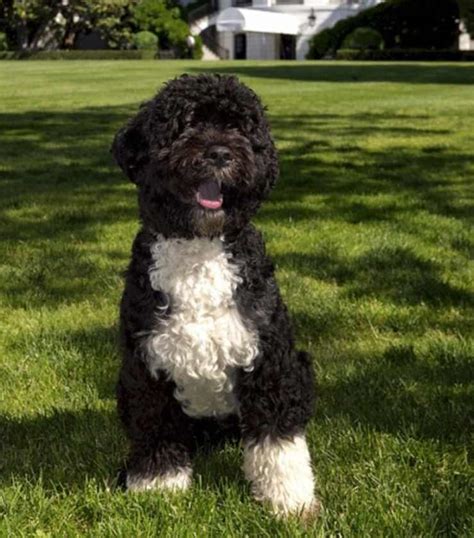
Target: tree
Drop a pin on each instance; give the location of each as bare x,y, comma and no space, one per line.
27,20
52,24
466,11
111,18
33,24
163,18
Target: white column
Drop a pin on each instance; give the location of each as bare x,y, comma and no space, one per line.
465,41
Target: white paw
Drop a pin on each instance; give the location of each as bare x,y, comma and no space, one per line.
178,480
281,475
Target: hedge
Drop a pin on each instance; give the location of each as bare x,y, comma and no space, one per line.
363,38
406,55
79,55
405,24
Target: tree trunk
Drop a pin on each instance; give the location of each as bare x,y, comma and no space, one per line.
22,35
69,38
42,29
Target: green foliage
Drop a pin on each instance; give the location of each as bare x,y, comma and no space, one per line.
35,24
197,50
363,38
321,44
420,24
113,20
145,40
3,41
466,9
164,20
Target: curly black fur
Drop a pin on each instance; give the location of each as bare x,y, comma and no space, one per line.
163,150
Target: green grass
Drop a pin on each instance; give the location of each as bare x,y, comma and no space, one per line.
371,231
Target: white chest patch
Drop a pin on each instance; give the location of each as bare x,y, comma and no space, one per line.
204,339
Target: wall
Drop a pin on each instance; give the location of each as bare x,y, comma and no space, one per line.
262,46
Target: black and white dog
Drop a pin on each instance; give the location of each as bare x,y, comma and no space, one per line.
207,343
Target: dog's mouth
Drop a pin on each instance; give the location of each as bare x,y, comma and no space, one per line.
209,195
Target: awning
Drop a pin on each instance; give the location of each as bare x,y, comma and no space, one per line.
235,19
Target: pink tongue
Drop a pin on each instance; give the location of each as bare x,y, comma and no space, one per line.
210,204
209,195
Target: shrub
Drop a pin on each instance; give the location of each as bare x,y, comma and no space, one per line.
363,38
197,50
145,40
78,55
466,8
406,55
3,41
405,24
165,21
321,44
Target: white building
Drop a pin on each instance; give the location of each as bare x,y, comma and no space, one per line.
267,29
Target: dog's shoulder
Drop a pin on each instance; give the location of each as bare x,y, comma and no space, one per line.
249,251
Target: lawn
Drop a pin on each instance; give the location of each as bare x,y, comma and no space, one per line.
370,228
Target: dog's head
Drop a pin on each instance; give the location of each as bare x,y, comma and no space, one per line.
201,154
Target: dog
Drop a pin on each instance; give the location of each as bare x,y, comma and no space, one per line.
208,347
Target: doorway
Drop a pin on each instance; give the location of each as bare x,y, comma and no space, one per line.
287,47
240,47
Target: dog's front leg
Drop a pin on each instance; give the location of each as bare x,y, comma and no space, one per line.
158,430
276,401
164,466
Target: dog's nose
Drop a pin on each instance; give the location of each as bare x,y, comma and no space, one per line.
221,155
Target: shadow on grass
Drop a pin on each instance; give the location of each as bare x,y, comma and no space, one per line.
63,274
58,170
394,274
63,449
60,191
424,174
398,394
412,73
423,397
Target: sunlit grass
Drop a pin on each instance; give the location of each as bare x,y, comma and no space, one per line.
370,228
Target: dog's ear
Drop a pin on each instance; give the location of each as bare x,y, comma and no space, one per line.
130,148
